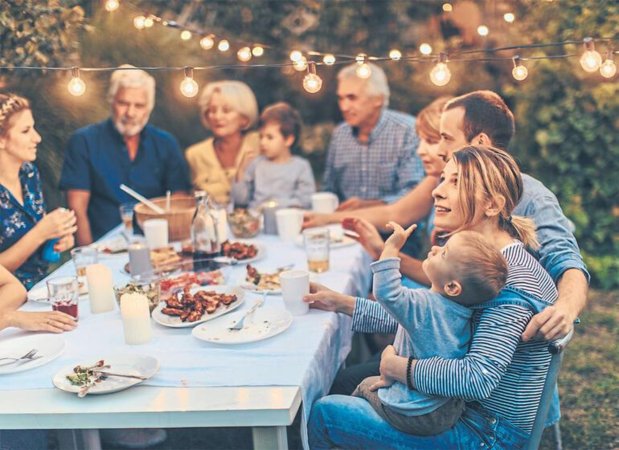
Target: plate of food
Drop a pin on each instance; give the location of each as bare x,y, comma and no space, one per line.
173,284
242,251
263,280
196,305
27,352
105,375
166,260
265,323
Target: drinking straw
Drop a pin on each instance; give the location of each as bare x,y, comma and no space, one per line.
142,199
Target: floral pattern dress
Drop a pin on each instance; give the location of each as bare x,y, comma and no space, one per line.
16,220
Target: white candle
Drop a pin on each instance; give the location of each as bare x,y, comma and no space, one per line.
100,290
136,318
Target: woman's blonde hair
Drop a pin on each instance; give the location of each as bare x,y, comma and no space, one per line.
240,97
429,119
10,104
495,174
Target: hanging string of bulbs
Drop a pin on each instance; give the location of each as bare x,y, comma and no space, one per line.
440,75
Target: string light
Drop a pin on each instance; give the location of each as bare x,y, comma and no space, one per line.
425,49
608,69
295,56
111,5
395,54
509,17
519,72
189,87
300,65
590,59
363,69
223,45
312,83
244,54
440,74
447,7
483,30
138,22
257,51
328,59
185,35
149,22
76,86
207,42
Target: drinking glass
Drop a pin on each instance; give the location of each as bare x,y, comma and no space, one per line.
317,249
64,294
126,214
83,257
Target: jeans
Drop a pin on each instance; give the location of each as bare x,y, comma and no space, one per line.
338,421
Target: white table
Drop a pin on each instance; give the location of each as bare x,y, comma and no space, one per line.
262,398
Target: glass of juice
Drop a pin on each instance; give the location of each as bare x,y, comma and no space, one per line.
64,295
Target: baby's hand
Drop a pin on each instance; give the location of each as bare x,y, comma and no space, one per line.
396,241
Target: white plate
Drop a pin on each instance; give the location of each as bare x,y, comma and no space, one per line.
343,241
50,346
259,255
265,323
113,245
39,295
263,269
176,322
145,366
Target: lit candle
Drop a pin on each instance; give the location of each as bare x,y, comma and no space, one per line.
136,318
139,258
268,217
100,289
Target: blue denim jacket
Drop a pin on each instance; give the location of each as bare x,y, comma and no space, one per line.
558,247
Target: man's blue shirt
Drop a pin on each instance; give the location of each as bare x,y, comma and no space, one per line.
97,160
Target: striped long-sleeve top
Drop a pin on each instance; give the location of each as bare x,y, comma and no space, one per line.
500,371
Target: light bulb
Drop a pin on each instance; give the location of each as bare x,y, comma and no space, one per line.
189,87
138,22
328,59
483,30
590,59
360,58
300,65
207,42
244,54
312,83
440,74
425,49
608,69
223,45
111,5
395,54
363,70
257,51
447,7
185,35
296,55
76,86
520,72
148,22
509,17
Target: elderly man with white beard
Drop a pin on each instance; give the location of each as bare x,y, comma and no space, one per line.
123,149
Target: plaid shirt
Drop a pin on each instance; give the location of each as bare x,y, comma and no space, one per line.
384,168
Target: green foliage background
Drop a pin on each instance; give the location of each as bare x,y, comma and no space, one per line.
567,120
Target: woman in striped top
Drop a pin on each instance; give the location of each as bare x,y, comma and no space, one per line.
501,377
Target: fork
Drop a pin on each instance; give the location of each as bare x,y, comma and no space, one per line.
241,322
30,356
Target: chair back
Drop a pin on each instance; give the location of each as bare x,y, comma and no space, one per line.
555,348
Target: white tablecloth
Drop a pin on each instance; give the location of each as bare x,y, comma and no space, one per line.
308,354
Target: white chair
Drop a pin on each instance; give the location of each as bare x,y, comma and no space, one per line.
555,348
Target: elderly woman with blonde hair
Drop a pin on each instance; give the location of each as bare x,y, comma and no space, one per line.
228,109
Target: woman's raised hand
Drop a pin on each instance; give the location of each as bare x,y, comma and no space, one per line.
65,243
369,237
398,238
57,224
321,297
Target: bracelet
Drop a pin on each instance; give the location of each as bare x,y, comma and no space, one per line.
409,382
